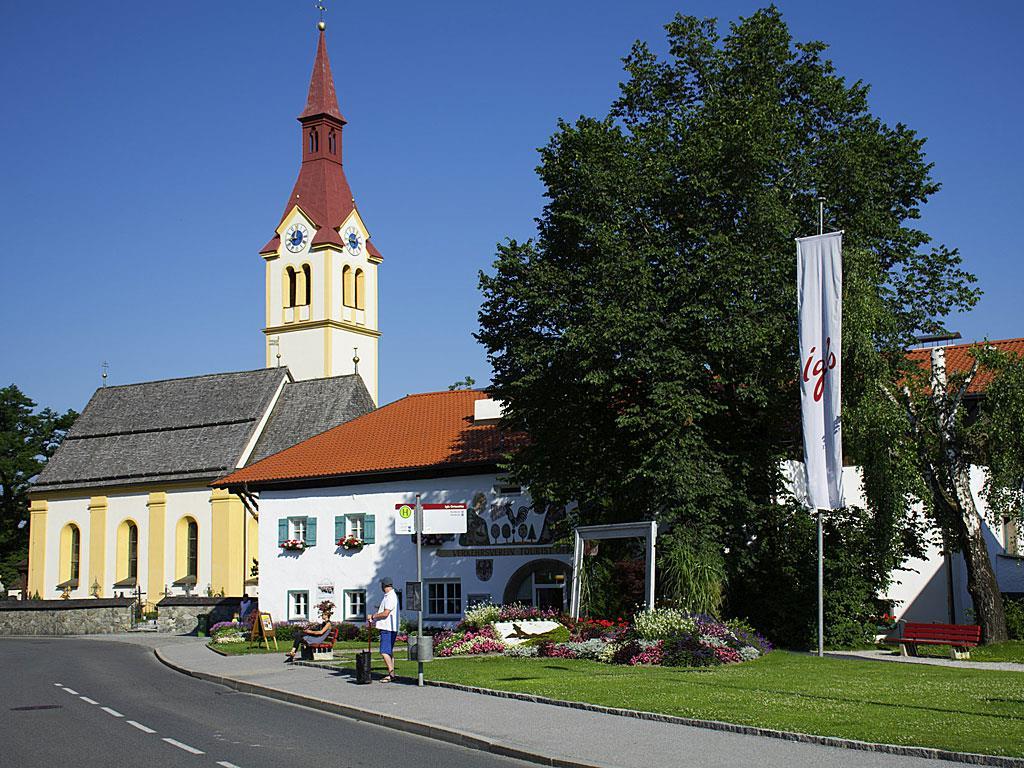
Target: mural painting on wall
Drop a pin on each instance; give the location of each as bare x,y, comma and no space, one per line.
484,569
505,522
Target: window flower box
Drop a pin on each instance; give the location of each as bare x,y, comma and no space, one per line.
293,545
351,543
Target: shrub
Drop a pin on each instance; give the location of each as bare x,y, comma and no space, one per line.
556,635
520,612
587,629
663,623
1014,618
482,615
522,651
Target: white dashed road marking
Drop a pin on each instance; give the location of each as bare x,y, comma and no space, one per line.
140,726
72,692
185,747
110,711
226,764
59,685
87,700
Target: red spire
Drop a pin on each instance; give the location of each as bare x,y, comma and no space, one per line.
322,99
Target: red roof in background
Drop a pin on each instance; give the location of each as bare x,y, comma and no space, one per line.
959,359
321,190
428,431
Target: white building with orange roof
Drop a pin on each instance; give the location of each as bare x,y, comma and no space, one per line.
350,482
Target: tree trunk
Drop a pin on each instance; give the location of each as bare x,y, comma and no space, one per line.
981,578
955,495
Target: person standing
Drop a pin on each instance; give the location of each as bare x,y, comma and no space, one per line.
386,620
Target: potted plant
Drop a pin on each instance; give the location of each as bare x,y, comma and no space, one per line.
293,545
349,543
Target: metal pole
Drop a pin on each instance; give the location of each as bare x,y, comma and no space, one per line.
419,578
821,584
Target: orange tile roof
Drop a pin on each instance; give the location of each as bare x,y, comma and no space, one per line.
959,359
426,431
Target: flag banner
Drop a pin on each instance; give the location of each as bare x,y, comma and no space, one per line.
819,277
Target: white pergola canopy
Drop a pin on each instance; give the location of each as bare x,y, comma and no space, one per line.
647,531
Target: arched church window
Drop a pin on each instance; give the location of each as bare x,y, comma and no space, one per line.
307,285
360,289
348,287
290,286
332,145
127,562
193,549
70,554
314,140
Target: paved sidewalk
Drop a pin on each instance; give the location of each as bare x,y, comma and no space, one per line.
544,733
883,654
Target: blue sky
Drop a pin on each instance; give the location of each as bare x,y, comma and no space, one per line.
146,151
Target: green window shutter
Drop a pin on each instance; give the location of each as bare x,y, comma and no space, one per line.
282,530
339,527
369,529
310,531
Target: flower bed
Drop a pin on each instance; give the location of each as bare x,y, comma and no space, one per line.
663,637
465,642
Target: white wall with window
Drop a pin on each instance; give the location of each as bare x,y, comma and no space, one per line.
453,573
298,605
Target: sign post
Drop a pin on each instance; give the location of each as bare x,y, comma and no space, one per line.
263,630
425,518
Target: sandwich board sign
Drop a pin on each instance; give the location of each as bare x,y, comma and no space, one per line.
437,518
263,630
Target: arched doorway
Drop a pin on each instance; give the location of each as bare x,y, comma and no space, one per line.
540,583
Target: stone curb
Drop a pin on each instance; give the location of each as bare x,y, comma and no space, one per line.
448,735
475,742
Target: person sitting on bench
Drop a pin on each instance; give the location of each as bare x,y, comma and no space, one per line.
314,633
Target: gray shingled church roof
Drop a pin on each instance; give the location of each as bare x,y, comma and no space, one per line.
307,408
194,428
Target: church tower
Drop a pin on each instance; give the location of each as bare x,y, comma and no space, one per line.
321,268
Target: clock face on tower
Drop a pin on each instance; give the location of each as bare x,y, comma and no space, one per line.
295,237
352,241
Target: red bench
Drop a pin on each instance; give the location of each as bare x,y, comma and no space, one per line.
959,637
321,651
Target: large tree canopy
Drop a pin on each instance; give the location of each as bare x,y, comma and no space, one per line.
27,440
646,338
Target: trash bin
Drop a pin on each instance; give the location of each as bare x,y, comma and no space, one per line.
421,651
202,623
363,659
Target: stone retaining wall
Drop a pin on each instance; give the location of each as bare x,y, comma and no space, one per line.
66,617
180,615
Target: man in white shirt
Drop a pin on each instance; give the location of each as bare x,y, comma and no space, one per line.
386,620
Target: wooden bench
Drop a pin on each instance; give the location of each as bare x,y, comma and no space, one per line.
959,637
321,651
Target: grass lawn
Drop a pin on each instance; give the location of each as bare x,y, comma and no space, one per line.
959,709
1012,650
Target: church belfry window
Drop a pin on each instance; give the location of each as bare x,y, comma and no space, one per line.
360,289
332,145
307,281
290,286
314,140
348,287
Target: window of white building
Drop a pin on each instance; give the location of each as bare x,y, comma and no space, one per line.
297,528
444,599
355,525
298,606
355,604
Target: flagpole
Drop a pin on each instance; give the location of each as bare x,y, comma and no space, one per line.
821,532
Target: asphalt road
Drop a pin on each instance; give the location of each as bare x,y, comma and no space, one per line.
85,703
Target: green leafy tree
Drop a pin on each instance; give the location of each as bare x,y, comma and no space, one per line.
646,338
27,440
466,383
